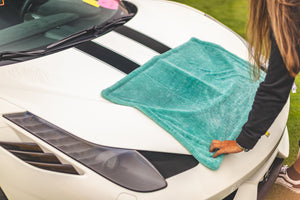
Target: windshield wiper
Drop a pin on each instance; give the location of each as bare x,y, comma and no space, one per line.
79,37
92,32
14,55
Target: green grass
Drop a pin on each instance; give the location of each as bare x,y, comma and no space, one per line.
294,124
234,14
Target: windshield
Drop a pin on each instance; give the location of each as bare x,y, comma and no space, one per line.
32,24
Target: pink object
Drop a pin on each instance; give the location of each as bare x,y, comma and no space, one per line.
110,4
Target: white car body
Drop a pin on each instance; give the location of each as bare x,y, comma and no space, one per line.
64,88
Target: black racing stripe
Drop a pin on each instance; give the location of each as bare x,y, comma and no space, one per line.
143,39
108,56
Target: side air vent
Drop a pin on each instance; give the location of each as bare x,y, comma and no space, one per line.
32,147
125,167
32,154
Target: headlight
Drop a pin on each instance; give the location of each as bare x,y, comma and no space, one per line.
127,168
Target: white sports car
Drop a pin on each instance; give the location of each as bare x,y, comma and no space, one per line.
59,139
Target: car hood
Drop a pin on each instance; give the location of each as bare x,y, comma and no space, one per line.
64,88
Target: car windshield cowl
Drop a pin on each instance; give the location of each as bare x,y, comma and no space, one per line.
72,40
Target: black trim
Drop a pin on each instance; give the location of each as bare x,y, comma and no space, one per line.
170,164
231,196
108,56
2,195
142,39
266,184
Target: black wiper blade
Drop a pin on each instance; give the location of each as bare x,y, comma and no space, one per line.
71,40
14,55
92,32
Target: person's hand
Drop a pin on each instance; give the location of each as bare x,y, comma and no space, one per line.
224,147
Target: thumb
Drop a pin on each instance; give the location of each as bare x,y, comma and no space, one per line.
217,153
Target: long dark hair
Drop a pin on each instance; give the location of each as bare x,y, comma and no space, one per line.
283,16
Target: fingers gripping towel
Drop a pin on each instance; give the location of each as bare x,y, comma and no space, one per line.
197,92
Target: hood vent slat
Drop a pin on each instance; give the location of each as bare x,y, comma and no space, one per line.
32,154
64,168
36,157
31,147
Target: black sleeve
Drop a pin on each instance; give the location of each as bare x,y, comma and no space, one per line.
270,98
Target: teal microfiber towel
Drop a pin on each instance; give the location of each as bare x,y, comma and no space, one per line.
197,91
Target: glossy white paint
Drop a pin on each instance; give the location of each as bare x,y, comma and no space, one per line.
64,88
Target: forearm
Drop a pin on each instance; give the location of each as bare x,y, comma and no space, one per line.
270,98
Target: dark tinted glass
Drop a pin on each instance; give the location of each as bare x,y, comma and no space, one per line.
30,24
